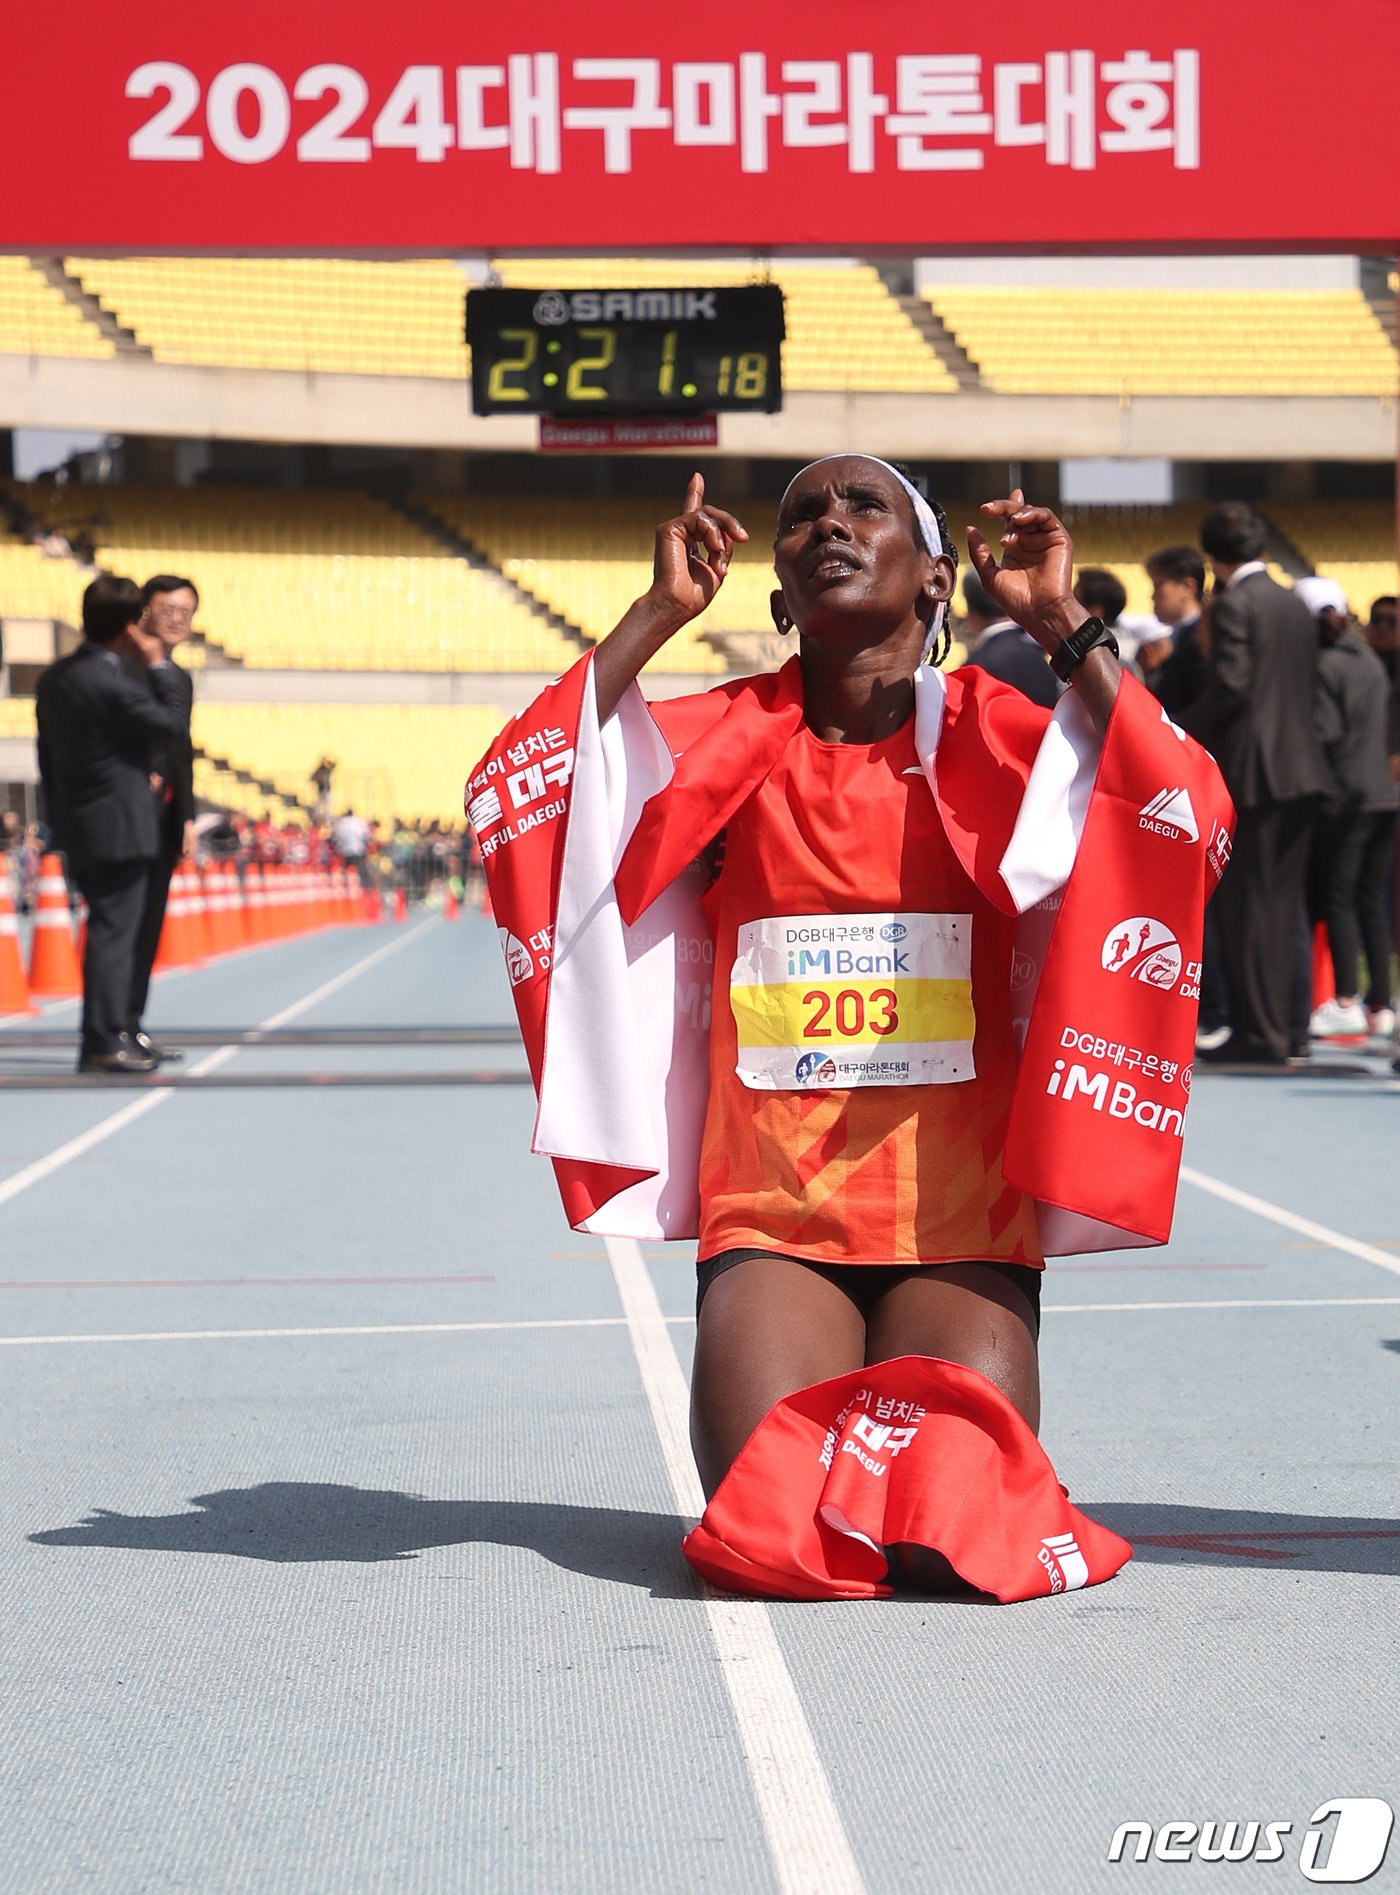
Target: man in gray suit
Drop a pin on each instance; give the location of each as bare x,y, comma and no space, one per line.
1256,716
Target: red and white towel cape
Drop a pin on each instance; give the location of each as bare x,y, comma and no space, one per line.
1108,853
910,1452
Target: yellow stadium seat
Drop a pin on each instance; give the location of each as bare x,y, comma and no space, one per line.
1170,342
314,581
35,319
393,760
1351,541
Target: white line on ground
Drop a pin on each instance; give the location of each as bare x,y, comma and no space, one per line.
1243,1302
619,1322
105,1128
806,1837
1290,1220
348,1329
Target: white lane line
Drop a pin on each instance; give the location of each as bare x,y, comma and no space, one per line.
678,1442
1243,1302
807,1840
1290,1220
348,1329
148,1102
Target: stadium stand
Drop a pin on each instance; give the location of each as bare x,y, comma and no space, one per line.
1169,341
35,319
224,785
589,559
334,581
17,717
1120,538
396,760
845,332
1351,541
322,316
32,586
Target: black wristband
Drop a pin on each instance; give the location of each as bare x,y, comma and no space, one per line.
1075,649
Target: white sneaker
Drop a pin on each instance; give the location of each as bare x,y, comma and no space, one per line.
1336,1019
1381,1023
1209,1039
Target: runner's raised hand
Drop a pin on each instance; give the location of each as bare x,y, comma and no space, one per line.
692,556
1033,580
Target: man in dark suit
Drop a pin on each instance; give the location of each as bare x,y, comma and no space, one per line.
98,728
1256,716
170,605
999,647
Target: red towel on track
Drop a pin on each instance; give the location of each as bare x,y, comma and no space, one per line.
915,1451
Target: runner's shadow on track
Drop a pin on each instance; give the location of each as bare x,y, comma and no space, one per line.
1228,1536
302,1522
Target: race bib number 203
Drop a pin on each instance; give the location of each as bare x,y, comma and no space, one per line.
824,1001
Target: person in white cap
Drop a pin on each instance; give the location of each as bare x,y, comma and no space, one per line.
1354,844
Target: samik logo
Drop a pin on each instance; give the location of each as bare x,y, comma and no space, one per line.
1144,950
550,309
1169,813
1358,1843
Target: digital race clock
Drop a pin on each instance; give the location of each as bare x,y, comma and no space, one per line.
626,352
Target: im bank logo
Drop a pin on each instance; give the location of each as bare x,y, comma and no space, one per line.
1345,1841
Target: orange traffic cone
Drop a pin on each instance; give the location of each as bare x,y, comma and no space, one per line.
1324,985
255,903
181,941
400,905
239,933
14,988
54,970
215,920
451,907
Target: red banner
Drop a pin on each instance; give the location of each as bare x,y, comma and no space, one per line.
362,130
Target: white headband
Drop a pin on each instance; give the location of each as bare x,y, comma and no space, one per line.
923,514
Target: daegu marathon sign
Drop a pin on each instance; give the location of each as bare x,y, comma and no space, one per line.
433,127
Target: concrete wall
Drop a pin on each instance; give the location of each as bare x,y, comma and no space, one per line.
1217,273
149,398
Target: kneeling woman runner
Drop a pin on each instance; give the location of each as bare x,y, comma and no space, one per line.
866,1388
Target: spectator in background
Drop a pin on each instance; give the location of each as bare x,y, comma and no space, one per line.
1102,593
1381,634
1257,716
998,646
350,840
11,836
320,779
1178,575
170,603
98,728
1354,844
1153,655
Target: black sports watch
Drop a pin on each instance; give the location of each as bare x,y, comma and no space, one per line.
1075,649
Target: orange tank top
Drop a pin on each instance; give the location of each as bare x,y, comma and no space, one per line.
861,1053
